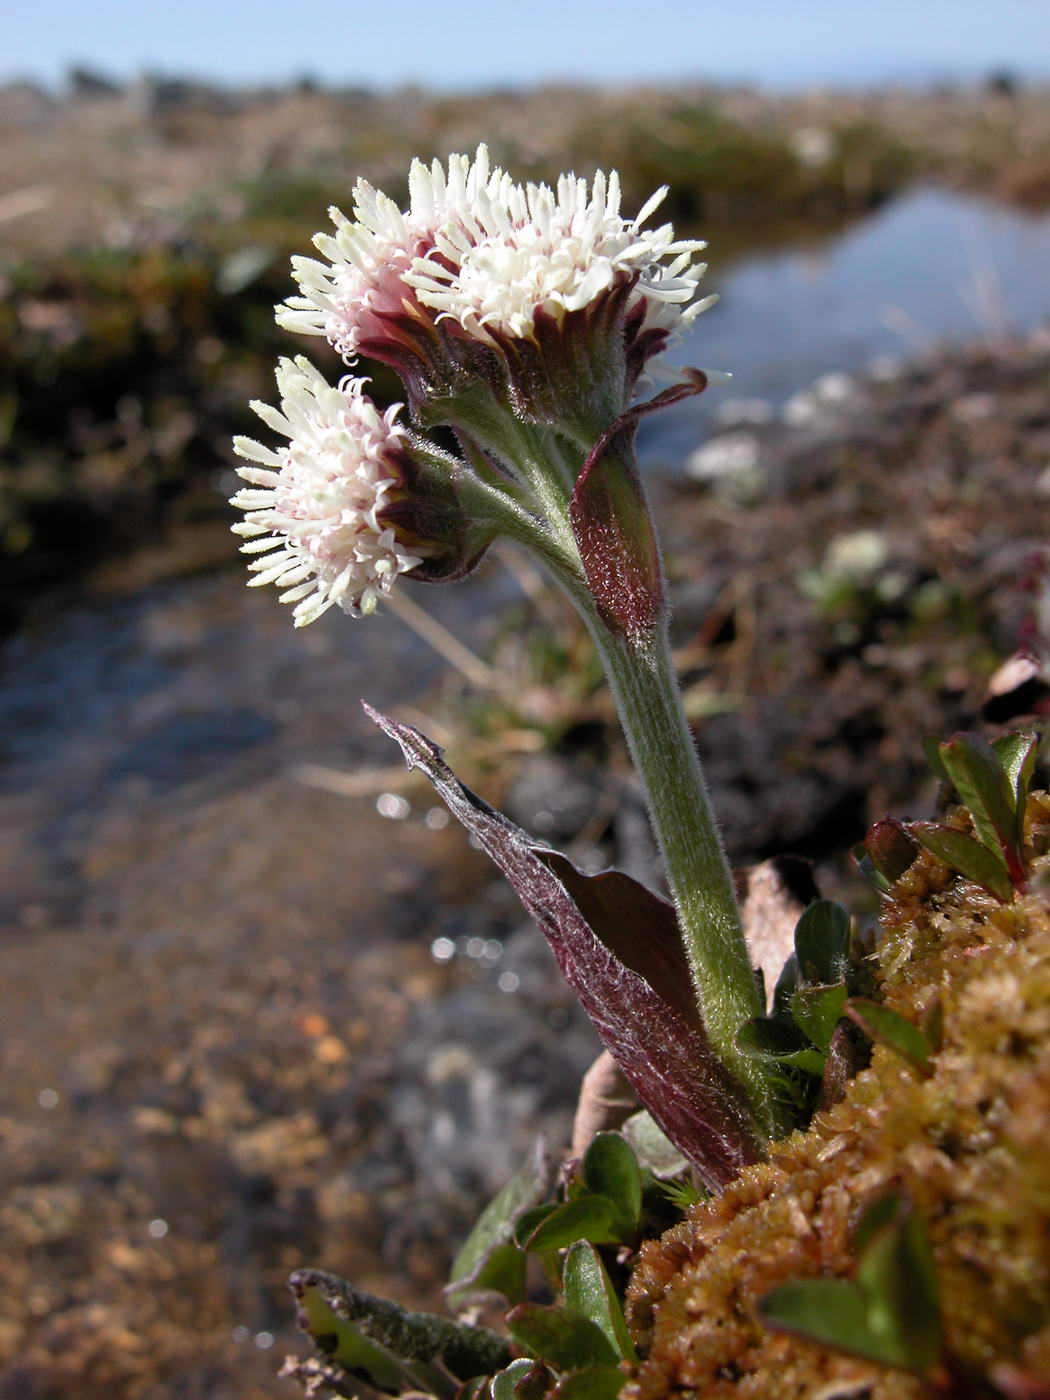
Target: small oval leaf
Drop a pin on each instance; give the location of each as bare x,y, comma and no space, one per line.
610,1169
980,780
593,1383
589,1291
822,943
881,1024
565,1340
968,857
516,1380
593,1218
817,1011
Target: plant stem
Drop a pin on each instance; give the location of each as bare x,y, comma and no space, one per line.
641,673
647,697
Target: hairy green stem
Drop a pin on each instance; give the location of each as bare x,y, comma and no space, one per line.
647,697
644,684
528,450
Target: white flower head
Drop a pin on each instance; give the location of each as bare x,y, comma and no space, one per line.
531,251
358,296
313,508
489,257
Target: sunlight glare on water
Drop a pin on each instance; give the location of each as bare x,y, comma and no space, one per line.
930,268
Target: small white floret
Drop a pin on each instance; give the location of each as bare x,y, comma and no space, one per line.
313,507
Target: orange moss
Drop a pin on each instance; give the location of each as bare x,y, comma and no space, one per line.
968,1145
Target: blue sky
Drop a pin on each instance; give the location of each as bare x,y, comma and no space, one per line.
464,45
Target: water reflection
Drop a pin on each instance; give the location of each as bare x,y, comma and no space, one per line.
930,268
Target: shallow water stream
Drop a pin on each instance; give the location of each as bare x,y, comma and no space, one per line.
931,268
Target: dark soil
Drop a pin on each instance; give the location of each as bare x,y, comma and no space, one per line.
863,600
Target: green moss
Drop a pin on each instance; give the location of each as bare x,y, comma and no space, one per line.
967,1145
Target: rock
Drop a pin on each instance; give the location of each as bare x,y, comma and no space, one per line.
730,465
553,797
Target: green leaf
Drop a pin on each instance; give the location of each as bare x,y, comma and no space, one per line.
826,1310
971,859
980,780
817,1011
563,1339
528,1221
822,943
933,1025
593,1383
897,1273
881,1213
610,1169
770,1035
589,1291
931,747
891,1029
889,1314
593,1218
653,1149
780,1041
502,1272
1017,753
519,1379
868,868
488,1261
790,978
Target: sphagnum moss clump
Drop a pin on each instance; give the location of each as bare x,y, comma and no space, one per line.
967,1145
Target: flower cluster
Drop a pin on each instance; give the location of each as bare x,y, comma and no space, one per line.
505,308
355,296
531,251
314,509
489,255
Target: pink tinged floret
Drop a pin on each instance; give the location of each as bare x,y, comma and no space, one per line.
477,255
357,298
313,509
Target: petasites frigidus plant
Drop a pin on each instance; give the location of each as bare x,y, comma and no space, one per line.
522,318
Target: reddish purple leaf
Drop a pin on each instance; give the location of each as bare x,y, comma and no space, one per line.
890,847
617,947
614,531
